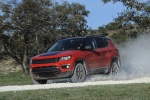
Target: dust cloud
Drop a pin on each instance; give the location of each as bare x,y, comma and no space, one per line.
135,57
135,60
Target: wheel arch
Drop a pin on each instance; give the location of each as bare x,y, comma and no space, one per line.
82,62
117,59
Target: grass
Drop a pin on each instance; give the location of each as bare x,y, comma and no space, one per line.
101,92
14,78
106,92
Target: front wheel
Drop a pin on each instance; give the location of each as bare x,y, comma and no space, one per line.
79,73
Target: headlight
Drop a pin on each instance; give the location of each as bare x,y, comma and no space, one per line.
65,58
30,61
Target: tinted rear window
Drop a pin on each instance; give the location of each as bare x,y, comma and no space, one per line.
101,42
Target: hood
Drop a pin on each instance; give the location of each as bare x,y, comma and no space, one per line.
50,53
55,54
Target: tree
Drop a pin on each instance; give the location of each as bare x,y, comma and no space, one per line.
71,19
135,19
102,30
31,26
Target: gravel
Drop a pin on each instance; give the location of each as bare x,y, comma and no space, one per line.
64,85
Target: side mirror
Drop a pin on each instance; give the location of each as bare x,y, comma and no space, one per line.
88,47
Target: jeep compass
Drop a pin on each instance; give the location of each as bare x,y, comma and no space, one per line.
75,58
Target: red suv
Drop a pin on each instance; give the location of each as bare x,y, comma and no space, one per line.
75,58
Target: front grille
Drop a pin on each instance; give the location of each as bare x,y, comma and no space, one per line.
44,61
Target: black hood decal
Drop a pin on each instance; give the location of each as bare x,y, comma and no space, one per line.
50,53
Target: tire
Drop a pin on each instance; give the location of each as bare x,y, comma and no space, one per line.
114,70
79,74
38,81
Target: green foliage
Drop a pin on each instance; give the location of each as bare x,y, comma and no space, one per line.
132,21
119,37
29,27
113,26
102,30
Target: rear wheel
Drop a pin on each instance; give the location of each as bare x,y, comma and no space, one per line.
79,73
114,68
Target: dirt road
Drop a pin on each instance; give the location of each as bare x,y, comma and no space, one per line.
64,85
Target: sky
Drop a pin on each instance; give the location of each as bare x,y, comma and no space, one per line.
100,13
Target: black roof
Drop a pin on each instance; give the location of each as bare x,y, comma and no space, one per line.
83,37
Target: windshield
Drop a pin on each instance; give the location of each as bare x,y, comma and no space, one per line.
73,44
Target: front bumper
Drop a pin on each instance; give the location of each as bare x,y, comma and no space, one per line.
45,73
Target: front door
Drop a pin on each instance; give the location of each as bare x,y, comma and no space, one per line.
91,55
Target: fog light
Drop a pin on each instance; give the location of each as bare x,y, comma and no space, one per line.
65,66
35,74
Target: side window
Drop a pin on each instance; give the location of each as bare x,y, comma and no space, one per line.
101,43
90,42
106,43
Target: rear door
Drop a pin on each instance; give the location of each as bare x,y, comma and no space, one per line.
102,51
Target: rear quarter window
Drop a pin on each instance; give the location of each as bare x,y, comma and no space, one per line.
101,42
